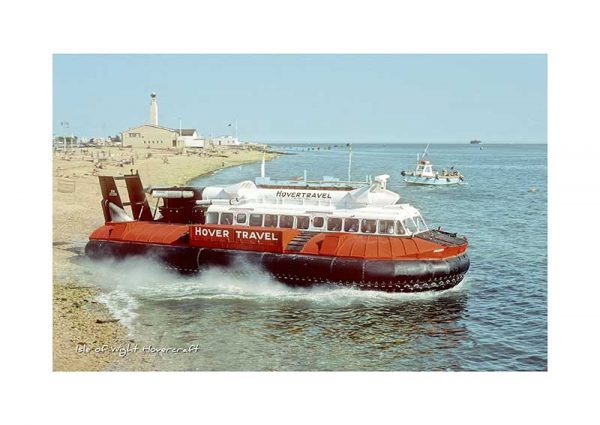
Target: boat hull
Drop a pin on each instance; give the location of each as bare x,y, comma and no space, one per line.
414,275
432,181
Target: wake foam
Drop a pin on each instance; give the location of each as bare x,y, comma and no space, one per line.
130,282
122,306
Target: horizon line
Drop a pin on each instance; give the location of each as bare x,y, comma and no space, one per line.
396,143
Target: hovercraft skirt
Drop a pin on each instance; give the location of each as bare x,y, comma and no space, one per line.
298,269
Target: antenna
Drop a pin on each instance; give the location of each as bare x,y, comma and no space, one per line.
350,164
425,151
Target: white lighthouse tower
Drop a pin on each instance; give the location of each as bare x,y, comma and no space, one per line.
153,109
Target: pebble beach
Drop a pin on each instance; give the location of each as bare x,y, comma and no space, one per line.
82,325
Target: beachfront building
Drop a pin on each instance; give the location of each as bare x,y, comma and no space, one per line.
62,142
195,143
225,141
152,136
190,138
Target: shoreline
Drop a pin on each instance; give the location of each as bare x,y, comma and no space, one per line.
80,323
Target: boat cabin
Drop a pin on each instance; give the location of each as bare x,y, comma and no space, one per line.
424,169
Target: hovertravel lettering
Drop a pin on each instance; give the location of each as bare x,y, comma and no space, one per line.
239,234
219,233
319,195
259,236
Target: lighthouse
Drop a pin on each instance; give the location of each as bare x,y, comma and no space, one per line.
153,109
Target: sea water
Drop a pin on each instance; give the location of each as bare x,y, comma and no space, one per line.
495,320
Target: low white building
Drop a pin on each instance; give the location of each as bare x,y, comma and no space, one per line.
225,141
190,138
195,143
186,136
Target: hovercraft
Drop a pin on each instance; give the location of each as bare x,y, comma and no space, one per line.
360,238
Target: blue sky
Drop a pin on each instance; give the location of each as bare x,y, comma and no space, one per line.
309,98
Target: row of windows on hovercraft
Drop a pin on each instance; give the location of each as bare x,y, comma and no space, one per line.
332,224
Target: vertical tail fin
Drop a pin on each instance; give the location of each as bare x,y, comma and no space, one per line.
110,194
137,198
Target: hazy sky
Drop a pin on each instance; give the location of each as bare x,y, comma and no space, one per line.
309,98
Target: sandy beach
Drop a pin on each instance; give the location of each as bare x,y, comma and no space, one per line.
80,321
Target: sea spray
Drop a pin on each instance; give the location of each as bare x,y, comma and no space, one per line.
240,318
145,279
121,305
124,282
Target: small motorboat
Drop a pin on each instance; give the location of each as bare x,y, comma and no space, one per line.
425,174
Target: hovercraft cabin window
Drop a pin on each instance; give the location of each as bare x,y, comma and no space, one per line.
256,219
212,218
318,222
286,221
409,224
386,227
351,225
420,224
368,226
334,224
270,220
302,222
399,229
226,218
240,218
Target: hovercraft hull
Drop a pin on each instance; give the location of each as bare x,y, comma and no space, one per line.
416,275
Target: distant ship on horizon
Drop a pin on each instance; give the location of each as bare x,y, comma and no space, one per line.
475,142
